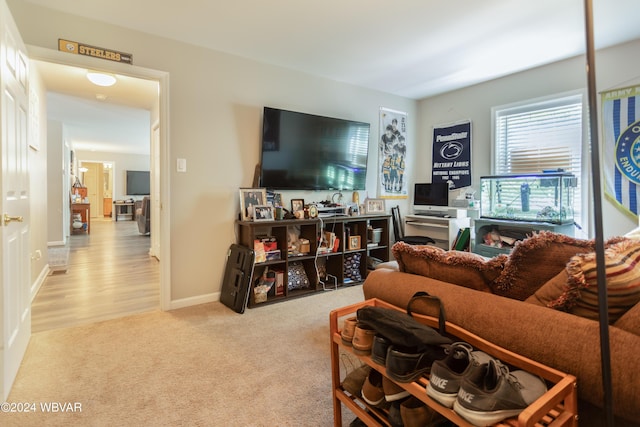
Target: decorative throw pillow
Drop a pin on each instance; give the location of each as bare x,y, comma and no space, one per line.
622,280
297,276
461,268
535,260
352,267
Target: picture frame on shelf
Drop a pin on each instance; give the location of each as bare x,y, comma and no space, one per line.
263,213
354,243
249,199
375,206
297,205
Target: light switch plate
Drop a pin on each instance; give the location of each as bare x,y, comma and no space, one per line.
181,165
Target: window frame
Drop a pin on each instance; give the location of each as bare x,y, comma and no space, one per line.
584,220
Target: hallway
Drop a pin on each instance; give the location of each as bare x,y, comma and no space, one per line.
110,274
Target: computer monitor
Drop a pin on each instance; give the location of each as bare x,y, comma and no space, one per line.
430,197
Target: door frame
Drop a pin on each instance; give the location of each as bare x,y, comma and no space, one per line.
162,77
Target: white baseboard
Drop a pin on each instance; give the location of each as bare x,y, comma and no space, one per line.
35,286
200,299
56,243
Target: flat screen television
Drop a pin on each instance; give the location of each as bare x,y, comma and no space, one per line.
430,197
138,183
307,152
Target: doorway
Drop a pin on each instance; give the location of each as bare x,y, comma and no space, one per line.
97,177
104,172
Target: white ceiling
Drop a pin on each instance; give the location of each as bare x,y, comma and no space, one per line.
118,123
411,48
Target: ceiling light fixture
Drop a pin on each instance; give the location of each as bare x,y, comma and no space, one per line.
101,79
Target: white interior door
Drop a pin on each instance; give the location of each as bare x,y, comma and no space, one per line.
14,227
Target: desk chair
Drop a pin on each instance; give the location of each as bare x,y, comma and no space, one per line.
398,231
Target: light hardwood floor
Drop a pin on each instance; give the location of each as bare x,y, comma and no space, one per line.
110,274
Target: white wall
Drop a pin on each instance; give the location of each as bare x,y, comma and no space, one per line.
216,103
475,103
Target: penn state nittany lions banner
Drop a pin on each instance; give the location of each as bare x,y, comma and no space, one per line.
621,129
452,155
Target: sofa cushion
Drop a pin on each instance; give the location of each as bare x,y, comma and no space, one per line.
630,321
551,290
535,260
457,267
580,295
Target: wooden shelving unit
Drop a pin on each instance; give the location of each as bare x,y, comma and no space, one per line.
557,407
311,229
84,209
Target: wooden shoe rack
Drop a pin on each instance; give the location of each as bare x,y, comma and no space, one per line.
557,407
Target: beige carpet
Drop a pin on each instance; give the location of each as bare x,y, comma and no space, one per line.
199,366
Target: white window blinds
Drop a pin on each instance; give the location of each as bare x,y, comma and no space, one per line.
544,135
532,138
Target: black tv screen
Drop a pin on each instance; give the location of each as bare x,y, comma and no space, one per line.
435,194
138,183
307,152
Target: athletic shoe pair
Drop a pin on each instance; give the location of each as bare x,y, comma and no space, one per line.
480,388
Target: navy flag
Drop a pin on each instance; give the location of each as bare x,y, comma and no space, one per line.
452,155
622,147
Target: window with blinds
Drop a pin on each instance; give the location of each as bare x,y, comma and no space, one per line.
539,136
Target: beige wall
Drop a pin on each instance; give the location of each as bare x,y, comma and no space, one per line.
216,103
215,117
475,103
56,203
38,192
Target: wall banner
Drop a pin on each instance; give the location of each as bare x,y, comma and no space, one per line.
452,155
621,152
393,152
93,51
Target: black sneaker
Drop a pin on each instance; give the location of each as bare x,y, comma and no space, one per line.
491,393
447,374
